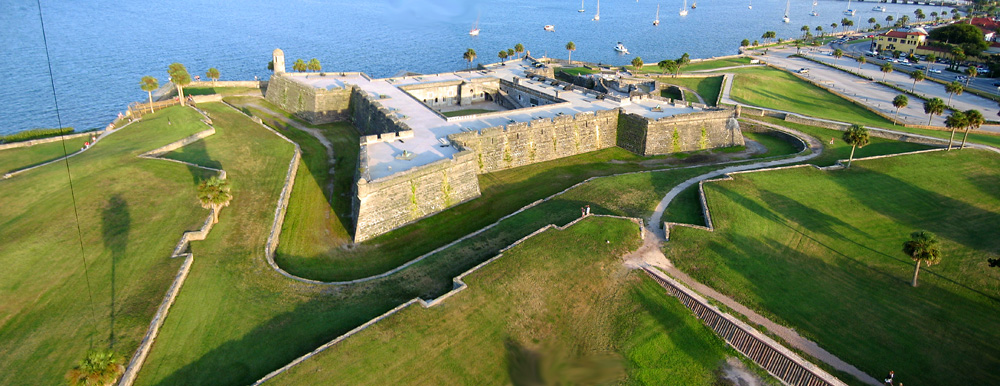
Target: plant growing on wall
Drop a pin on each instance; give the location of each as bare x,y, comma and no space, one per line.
675,141
414,209
703,141
479,159
446,188
531,151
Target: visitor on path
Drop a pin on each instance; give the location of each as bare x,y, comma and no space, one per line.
832,139
588,210
890,377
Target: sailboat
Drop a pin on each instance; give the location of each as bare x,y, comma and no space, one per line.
751,5
814,13
786,19
657,20
597,16
694,5
475,28
684,9
581,10
849,11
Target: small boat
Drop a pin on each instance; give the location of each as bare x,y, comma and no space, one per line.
581,10
549,28
597,16
694,5
785,18
814,13
657,20
849,11
879,8
751,5
621,48
684,11
475,28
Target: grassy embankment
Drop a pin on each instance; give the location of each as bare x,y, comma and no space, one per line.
459,113
708,88
220,90
576,70
132,212
23,157
592,320
821,252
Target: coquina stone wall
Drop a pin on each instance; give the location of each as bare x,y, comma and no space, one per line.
371,117
315,105
519,144
453,93
390,202
689,132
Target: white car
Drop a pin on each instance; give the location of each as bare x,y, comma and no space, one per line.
934,70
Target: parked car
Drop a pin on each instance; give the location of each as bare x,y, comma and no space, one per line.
960,78
935,71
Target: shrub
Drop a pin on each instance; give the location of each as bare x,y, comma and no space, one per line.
28,135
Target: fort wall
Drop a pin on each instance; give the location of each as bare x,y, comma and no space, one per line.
315,105
373,118
690,132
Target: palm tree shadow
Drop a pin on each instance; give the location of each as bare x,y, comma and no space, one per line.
116,222
197,153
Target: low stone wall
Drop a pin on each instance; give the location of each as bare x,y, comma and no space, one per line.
227,83
754,127
179,143
206,98
525,143
14,145
391,202
315,105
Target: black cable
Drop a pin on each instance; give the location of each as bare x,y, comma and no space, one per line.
69,176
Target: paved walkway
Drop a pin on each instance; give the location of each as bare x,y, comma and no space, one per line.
651,254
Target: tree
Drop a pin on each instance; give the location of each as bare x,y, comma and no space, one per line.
886,69
270,65
833,27
99,368
861,61
299,65
510,52
931,58
518,48
953,88
932,107
179,77
899,102
667,65
745,42
819,29
149,84
967,36
637,63
856,136
970,72
973,120
917,76
889,19
843,23
314,65
213,74
570,47
805,31
214,194
848,25
922,248
871,22
877,26
502,55
954,121
469,56
682,61
837,54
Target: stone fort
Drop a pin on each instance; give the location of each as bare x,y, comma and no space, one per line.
416,159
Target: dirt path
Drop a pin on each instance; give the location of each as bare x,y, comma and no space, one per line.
313,132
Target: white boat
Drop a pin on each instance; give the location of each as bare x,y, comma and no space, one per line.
621,48
657,20
475,28
581,10
751,5
785,18
597,16
549,28
814,13
694,5
879,8
849,11
684,9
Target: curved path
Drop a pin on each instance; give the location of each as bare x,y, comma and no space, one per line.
331,161
651,254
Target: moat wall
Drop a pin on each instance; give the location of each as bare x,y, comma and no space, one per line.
519,144
315,105
388,203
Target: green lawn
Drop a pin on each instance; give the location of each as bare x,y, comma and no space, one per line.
718,63
576,70
220,90
589,322
776,146
132,212
22,157
708,87
668,93
821,252
459,113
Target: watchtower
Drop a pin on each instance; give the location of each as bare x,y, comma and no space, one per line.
278,59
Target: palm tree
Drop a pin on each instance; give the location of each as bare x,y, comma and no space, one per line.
922,248
861,61
930,59
856,136
518,48
299,65
971,72
99,368
213,74
667,65
180,78
314,65
953,88
843,23
510,52
837,54
637,63
886,69
917,76
819,29
469,56
888,18
953,122
871,22
682,61
149,84
805,31
973,119
932,107
570,47
899,102
214,194
848,25
502,55
833,27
